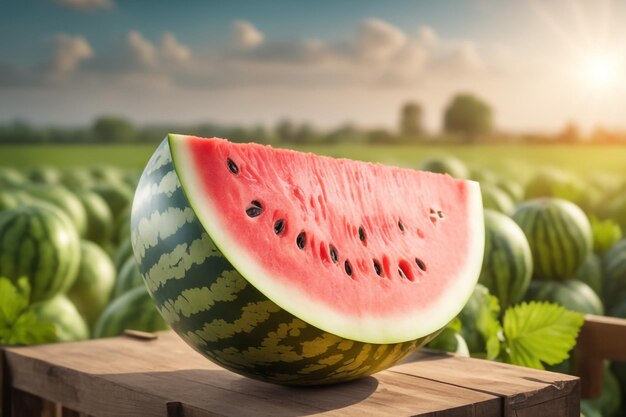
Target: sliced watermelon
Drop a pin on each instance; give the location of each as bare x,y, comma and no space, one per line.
366,252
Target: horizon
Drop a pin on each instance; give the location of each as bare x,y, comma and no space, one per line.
539,66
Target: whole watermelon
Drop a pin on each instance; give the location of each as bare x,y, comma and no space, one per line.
559,235
507,264
94,282
10,177
512,188
44,175
99,218
122,253
70,325
496,199
590,272
450,341
445,165
573,295
116,194
39,242
65,200
134,310
128,278
614,270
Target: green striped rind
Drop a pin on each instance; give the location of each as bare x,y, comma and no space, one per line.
133,310
99,218
614,270
39,242
65,200
573,295
590,272
128,278
216,311
507,264
559,236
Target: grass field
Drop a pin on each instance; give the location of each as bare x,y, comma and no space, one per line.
512,159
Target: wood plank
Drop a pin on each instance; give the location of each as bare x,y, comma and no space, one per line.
165,377
600,338
519,387
24,404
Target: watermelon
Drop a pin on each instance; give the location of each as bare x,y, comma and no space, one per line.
573,295
59,310
512,188
94,283
610,400
299,269
12,198
39,242
65,200
122,225
122,253
44,175
507,264
116,194
76,179
450,341
614,270
590,272
496,199
10,177
128,278
559,235
483,175
445,165
134,310
99,217
476,318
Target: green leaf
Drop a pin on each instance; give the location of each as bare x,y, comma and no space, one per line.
537,333
605,233
19,325
13,300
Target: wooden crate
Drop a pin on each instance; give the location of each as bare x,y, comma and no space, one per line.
126,376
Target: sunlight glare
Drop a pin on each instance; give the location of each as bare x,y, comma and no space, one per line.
601,71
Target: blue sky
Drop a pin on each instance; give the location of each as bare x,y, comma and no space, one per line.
540,64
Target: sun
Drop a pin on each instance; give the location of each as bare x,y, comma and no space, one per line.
600,71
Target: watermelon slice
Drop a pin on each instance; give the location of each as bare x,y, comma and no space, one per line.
299,269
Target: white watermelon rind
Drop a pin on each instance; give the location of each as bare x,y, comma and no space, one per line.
364,328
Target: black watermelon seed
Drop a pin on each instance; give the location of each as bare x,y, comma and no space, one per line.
400,226
279,226
348,268
232,166
401,273
377,268
301,240
420,264
333,253
440,214
362,234
255,209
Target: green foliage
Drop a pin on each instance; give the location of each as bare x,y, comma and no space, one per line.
410,120
605,234
538,333
19,325
467,115
109,129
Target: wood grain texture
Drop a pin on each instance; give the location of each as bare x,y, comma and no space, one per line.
600,338
164,377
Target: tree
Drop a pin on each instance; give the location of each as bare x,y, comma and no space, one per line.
113,129
467,115
284,131
569,134
410,120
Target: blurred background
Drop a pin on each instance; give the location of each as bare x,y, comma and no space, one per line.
432,76
528,97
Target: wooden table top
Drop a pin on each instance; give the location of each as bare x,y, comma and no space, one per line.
125,376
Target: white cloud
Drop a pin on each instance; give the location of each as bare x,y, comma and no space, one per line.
85,5
245,35
142,50
378,40
173,50
69,52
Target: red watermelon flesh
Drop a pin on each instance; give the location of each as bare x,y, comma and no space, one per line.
368,252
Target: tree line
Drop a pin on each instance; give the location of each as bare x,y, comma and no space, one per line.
466,119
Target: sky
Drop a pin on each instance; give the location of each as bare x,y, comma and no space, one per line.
539,64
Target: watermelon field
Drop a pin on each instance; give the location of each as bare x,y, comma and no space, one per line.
554,221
